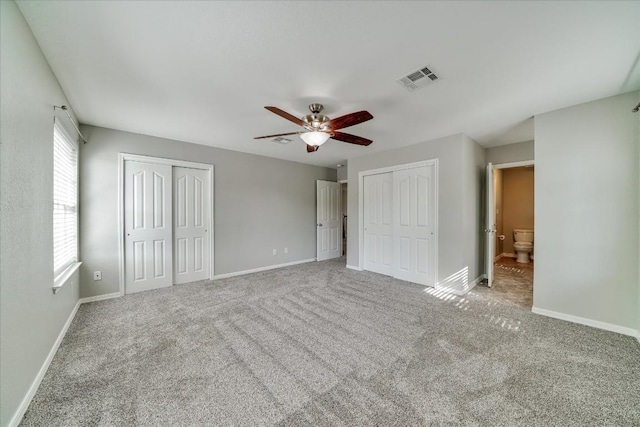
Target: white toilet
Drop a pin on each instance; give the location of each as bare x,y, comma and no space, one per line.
523,244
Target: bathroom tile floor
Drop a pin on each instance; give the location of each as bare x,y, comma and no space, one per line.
512,283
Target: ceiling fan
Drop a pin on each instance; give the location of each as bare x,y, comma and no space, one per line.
319,128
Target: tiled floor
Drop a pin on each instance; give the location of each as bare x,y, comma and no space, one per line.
512,283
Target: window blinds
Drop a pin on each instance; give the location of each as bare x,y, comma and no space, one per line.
65,200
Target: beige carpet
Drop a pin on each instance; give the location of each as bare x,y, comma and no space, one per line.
317,344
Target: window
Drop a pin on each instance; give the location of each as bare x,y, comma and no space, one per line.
65,204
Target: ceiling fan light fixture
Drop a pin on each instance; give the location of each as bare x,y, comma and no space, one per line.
315,139
318,128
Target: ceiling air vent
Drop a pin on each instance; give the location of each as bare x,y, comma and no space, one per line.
418,79
281,140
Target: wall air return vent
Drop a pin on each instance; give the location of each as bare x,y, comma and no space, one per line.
281,140
418,79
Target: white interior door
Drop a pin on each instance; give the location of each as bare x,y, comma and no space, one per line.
328,220
147,221
191,205
378,226
490,230
414,196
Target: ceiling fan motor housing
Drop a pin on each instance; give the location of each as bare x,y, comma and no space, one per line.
315,121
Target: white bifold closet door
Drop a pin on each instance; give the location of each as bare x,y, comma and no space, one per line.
167,224
148,226
378,226
191,224
399,224
414,225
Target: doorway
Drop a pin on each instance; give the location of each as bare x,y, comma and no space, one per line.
328,220
166,222
344,194
510,232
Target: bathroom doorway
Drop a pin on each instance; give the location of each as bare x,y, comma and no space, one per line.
512,234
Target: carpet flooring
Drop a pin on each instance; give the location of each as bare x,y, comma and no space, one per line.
317,344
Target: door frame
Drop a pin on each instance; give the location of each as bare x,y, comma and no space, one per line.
491,211
345,208
122,157
362,174
490,227
340,220
513,164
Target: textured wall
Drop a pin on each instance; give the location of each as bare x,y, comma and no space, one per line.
261,203
587,211
31,316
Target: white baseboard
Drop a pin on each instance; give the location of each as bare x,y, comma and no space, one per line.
257,270
99,297
498,257
353,267
588,322
24,405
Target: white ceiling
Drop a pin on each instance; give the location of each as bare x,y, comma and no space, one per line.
203,71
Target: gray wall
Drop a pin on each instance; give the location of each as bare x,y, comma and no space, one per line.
460,160
343,172
517,152
31,316
473,169
587,211
261,204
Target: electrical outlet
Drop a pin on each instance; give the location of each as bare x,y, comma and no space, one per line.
286,250
275,252
97,275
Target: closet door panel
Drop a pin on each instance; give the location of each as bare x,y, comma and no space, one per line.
414,225
147,226
191,227
378,223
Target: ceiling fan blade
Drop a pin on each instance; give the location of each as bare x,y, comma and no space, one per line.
278,134
350,120
311,148
285,115
352,139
